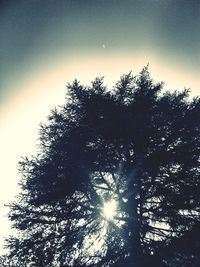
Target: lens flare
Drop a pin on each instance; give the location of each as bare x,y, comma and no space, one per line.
109,210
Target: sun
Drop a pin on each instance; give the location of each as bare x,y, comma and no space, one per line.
109,210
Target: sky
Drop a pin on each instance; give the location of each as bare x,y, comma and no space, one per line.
45,44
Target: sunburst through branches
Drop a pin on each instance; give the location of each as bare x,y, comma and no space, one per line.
109,210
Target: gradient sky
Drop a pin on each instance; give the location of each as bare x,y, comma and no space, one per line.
44,44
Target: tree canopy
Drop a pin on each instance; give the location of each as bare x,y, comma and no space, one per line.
115,180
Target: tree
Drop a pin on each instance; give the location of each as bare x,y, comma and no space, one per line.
116,177
184,251
5,261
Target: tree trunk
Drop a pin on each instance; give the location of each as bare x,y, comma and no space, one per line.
134,229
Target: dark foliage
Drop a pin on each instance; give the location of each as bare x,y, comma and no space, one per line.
184,251
133,144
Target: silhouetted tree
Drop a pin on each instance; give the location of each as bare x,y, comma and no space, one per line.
6,261
133,146
185,250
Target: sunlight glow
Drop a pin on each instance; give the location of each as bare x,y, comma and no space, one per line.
109,210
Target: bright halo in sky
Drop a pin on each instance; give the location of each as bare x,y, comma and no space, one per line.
109,210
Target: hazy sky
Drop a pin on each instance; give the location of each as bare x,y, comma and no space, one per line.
44,44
